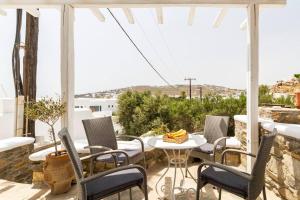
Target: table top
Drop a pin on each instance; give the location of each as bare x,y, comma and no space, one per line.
193,142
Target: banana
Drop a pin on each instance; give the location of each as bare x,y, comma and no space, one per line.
179,133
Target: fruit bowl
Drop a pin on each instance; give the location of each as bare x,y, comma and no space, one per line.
177,137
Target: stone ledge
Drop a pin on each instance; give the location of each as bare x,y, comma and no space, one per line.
282,172
289,130
281,115
15,165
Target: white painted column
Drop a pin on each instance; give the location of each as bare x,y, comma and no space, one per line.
252,81
67,65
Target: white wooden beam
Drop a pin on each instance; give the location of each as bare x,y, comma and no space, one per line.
159,15
132,3
67,65
220,17
192,14
32,11
244,24
128,15
98,14
3,12
252,82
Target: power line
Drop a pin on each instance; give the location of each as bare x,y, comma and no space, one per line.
153,48
163,38
138,49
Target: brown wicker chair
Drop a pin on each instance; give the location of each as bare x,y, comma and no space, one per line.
247,186
106,183
101,136
215,132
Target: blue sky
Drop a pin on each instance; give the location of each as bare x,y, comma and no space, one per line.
105,59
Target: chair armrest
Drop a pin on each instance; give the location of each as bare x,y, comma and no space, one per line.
112,152
216,145
133,137
224,167
236,151
101,174
98,147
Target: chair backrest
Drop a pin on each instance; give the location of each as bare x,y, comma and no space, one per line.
73,155
100,131
215,127
259,167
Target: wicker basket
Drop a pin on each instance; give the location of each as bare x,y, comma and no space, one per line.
177,140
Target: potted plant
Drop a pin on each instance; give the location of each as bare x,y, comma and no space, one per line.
58,172
297,98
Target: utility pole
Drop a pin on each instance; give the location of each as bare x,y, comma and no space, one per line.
190,81
200,92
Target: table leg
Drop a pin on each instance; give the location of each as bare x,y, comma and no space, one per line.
187,171
178,162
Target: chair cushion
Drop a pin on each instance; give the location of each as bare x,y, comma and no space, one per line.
113,183
226,180
207,148
121,157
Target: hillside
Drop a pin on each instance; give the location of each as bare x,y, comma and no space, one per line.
287,87
168,90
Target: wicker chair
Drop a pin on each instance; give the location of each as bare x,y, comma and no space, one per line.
106,183
100,134
215,132
247,186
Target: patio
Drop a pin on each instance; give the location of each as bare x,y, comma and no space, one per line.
29,192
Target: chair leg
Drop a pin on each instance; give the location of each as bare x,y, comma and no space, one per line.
198,192
220,193
264,193
119,196
145,164
130,194
145,191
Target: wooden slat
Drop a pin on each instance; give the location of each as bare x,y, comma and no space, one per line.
131,3
67,66
252,82
98,14
192,14
220,17
128,15
32,11
159,15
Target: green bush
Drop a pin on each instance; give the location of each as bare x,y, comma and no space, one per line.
142,112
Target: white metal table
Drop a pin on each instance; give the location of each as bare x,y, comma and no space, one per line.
173,153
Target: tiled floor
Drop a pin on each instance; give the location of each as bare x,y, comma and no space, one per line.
17,191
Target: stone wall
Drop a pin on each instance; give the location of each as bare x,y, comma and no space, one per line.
281,115
283,169
15,165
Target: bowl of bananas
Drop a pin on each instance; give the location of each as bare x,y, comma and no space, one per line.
176,137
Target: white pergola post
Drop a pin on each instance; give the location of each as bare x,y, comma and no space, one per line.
252,81
67,65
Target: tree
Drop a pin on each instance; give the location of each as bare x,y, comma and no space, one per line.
30,67
16,56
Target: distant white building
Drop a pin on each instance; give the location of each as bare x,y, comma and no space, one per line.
85,108
97,104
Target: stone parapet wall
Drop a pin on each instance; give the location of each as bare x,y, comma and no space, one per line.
283,168
281,115
15,165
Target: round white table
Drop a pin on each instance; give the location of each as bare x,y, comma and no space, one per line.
173,153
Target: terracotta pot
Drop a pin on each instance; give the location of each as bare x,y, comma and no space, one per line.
297,99
58,172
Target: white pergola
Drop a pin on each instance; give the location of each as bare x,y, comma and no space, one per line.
67,41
